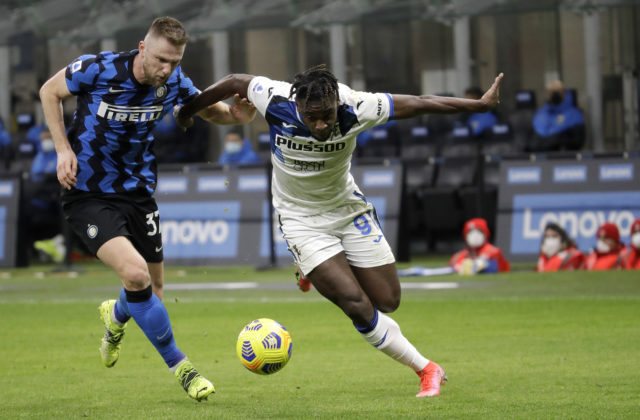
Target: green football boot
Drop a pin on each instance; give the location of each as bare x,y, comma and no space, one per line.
110,348
197,386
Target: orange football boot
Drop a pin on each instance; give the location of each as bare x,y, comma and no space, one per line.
431,377
303,283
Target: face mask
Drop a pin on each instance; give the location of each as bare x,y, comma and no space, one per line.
635,240
556,98
602,246
233,147
47,145
550,246
475,239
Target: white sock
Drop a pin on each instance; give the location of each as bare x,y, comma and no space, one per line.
175,367
387,337
115,320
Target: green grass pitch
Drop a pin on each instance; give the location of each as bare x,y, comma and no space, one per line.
517,345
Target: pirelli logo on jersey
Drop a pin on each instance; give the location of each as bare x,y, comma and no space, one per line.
129,113
308,146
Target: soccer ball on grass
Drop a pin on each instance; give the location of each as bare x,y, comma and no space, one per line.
264,346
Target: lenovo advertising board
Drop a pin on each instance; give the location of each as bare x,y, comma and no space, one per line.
221,216
9,199
578,195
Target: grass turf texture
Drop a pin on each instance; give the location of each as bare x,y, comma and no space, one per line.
518,345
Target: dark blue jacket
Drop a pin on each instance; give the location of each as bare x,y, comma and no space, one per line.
44,163
245,156
33,135
481,122
5,139
555,119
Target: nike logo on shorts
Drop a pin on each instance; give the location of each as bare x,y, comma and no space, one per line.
158,249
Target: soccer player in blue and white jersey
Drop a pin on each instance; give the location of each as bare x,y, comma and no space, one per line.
330,227
108,170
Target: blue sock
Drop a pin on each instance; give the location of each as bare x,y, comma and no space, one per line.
121,309
151,316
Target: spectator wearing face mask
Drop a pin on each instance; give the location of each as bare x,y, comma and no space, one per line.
41,206
237,151
559,124
610,252
45,161
558,252
632,257
479,256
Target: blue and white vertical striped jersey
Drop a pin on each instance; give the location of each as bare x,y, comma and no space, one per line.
114,117
311,176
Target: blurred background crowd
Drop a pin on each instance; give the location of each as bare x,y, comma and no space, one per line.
571,91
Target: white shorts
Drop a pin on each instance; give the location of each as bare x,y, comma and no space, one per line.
353,228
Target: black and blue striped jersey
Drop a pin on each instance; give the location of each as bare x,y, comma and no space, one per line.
111,129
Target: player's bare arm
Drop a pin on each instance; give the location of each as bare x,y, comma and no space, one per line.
241,112
407,106
51,94
235,85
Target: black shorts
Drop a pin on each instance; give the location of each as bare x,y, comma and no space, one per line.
99,217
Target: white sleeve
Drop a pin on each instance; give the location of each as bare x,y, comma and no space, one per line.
261,90
371,108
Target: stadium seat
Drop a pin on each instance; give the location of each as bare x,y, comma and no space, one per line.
440,126
459,143
383,141
480,202
521,119
442,208
500,141
418,177
419,173
23,153
417,144
491,170
263,148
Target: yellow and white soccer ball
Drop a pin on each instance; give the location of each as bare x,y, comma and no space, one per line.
264,346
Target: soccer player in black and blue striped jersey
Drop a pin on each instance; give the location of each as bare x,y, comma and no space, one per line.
108,170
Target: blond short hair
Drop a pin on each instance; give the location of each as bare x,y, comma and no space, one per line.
169,28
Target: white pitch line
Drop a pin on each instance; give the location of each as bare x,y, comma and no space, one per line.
430,285
211,286
255,285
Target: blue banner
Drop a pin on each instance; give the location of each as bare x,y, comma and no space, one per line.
200,229
578,195
9,199
220,215
580,214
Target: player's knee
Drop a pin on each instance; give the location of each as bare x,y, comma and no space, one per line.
389,303
358,308
136,277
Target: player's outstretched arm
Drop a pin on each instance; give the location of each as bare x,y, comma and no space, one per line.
207,104
407,106
51,94
242,112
